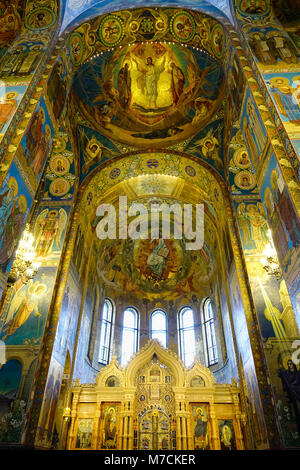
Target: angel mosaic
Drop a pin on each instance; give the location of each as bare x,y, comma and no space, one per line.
27,301
13,208
209,145
93,151
8,105
287,97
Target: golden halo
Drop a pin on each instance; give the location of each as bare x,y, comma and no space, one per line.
252,207
13,93
59,187
23,203
55,212
274,80
40,289
267,198
53,164
47,129
32,287
237,155
42,113
59,144
274,178
12,183
242,174
285,357
134,26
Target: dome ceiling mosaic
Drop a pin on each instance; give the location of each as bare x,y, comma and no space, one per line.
149,93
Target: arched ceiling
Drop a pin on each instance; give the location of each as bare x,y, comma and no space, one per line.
76,11
159,172
142,268
147,79
146,107
125,266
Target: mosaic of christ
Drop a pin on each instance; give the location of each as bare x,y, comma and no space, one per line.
149,91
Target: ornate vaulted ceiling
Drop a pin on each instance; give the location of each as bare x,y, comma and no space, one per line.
155,179
147,108
146,79
78,10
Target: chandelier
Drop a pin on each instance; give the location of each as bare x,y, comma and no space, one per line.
24,265
270,261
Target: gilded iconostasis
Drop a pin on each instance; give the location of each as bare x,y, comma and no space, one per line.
194,103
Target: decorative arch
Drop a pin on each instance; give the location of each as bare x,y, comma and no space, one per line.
199,370
112,369
165,356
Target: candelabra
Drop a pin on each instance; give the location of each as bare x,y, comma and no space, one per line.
24,265
270,262
67,414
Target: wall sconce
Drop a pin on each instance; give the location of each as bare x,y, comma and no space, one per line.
67,413
270,262
24,265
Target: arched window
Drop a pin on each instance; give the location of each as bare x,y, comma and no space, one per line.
106,332
209,334
158,326
187,335
130,334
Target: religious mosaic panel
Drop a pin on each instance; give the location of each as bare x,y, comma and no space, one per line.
281,214
36,143
67,323
94,149
10,97
253,130
226,434
48,406
284,89
15,201
10,20
12,410
200,426
84,433
110,426
118,91
23,322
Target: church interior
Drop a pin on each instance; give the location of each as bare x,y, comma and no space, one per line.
144,342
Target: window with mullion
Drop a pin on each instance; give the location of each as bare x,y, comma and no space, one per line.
106,332
209,333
